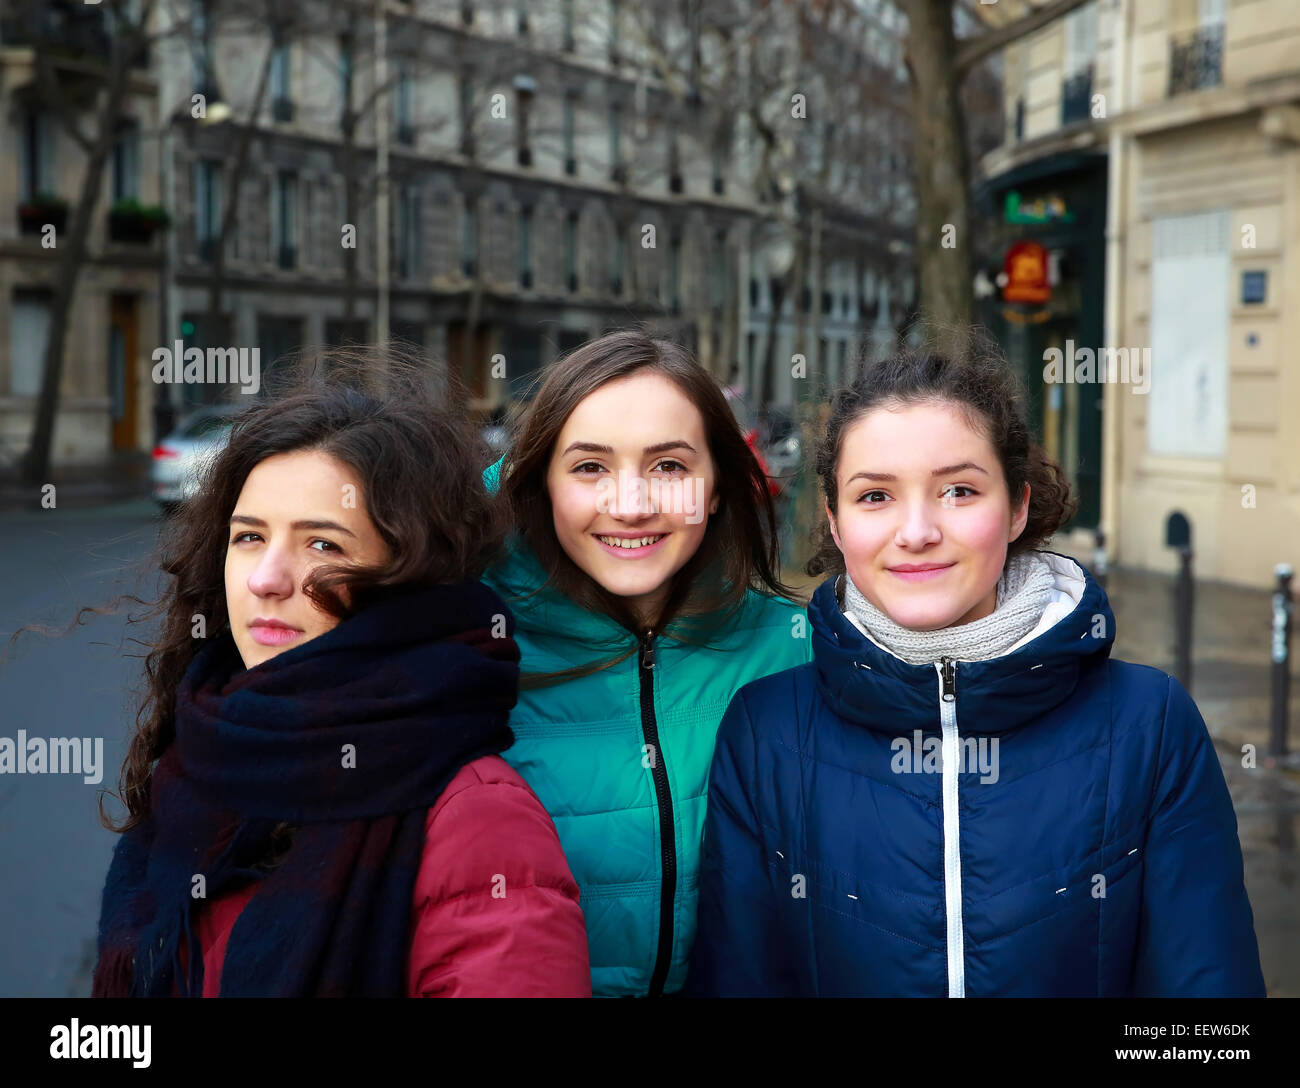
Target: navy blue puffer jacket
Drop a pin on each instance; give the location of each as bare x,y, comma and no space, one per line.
1046,823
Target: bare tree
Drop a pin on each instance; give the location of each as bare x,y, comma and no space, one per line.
938,63
126,39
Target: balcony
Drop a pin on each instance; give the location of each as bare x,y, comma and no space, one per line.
68,31
1196,60
40,210
1076,97
133,223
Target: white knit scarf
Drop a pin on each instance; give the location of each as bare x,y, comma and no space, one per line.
1024,591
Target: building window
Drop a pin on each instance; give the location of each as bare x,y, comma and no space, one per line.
207,207
126,162
284,221
466,116
1080,49
618,261
469,242
570,153
615,35
1196,59
718,290
524,88
720,152
674,274
205,81
674,161
571,251
29,331
409,232
526,248
37,154
566,15
346,70
521,17
617,169
281,93
404,130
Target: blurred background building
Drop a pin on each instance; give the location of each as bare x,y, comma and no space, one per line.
1152,151
495,181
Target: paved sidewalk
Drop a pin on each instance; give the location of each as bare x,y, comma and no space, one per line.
124,476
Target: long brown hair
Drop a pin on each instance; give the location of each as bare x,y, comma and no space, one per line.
420,467
740,550
973,375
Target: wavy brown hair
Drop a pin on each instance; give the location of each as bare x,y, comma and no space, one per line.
739,551
420,469
973,375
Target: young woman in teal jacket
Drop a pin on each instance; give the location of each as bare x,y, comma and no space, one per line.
644,578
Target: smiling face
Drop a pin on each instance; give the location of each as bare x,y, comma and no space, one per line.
290,518
919,488
632,486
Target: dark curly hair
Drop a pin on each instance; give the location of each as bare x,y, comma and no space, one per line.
972,374
419,461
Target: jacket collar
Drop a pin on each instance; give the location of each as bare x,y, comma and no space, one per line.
865,683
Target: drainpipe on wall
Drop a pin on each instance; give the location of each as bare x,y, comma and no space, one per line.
1116,216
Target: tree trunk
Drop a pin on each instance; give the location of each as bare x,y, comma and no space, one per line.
36,463
942,167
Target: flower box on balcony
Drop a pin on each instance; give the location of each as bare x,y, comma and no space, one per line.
134,223
43,208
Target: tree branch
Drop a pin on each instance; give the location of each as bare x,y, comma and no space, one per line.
970,51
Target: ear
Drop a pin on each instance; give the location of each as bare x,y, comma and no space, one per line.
830,520
714,503
1020,518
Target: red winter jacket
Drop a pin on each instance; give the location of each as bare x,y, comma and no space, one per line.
487,832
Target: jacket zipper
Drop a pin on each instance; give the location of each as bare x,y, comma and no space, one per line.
947,669
667,845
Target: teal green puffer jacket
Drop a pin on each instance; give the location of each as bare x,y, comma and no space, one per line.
620,759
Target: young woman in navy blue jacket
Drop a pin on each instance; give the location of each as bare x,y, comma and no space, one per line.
963,794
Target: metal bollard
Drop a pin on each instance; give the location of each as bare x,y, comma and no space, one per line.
1283,609
1099,560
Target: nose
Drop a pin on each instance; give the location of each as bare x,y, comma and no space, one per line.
918,527
273,575
632,500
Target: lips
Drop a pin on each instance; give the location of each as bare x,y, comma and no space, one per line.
629,542
273,632
630,546
920,572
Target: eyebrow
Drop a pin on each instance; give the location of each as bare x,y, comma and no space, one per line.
244,519
947,470
658,447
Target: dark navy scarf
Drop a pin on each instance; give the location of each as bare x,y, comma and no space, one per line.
350,737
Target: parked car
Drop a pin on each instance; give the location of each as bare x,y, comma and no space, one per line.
178,458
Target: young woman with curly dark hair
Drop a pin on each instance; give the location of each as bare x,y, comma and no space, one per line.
316,804
963,794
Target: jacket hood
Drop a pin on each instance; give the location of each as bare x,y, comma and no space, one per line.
865,683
